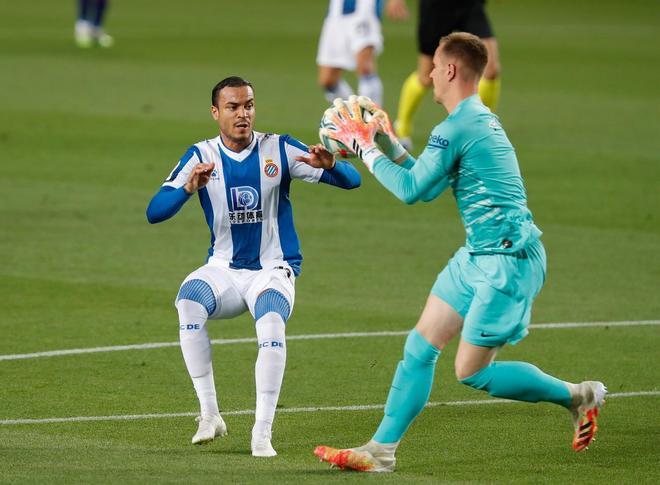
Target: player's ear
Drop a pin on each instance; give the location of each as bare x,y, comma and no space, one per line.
451,71
214,113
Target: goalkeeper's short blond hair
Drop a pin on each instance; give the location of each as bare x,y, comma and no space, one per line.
467,48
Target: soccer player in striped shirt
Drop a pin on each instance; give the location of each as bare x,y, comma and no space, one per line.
243,178
351,40
486,291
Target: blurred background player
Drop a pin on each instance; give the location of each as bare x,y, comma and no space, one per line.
89,25
485,294
242,178
436,19
351,40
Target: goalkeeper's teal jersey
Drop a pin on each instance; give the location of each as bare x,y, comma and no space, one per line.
470,152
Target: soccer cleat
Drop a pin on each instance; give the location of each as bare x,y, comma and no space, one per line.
209,428
367,458
588,397
103,39
83,34
262,447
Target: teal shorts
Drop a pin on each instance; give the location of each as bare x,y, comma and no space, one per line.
493,292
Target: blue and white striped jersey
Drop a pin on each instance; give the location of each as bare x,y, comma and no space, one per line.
246,202
346,7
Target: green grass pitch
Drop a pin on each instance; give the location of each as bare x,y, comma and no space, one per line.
86,138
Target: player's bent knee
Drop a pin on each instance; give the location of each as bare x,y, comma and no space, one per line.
492,71
272,301
478,380
463,370
199,291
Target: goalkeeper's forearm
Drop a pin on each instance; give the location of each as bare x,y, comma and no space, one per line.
392,149
407,185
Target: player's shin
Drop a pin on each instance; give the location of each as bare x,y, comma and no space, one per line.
411,388
340,90
269,369
411,95
371,86
196,349
489,92
520,381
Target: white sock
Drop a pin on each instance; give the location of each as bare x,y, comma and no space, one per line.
83,27
196,349
341,90
269,369
372,87
385,448
205,389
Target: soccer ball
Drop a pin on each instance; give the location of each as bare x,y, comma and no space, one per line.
335,147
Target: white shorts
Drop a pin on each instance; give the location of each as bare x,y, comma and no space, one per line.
344,36
236,290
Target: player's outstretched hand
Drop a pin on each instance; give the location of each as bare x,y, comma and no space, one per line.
199,177
385,138
318,157
351,129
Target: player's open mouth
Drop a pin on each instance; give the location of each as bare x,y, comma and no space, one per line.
242,125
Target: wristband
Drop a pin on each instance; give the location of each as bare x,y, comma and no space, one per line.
369,157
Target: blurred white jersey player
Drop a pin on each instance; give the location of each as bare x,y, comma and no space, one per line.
351,40
243,179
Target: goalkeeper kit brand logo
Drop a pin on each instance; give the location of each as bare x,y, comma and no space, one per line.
271,169
438,141
244,205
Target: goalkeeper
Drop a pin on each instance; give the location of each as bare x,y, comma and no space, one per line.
485,292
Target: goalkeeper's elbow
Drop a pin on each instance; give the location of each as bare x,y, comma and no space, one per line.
409,198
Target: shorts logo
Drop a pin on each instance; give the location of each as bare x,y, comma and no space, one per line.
271,169
438,141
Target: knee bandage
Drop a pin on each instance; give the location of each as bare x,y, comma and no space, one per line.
272,301
198,291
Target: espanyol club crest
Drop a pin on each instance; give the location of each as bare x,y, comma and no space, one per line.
271,169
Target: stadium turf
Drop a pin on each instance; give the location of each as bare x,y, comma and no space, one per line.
86,137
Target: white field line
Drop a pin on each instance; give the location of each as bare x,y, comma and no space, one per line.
318,336
313,409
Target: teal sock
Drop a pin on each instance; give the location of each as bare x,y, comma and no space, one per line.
411,388
520,381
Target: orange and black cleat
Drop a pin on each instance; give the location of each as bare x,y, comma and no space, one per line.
586,430
354,459
588,398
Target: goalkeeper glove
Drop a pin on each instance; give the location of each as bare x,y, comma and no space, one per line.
353,131
385,137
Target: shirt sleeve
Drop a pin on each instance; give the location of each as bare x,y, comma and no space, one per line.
179,175
343,175
435,190
427,176
166,203
299,170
